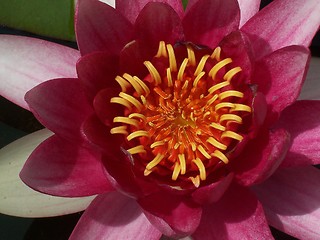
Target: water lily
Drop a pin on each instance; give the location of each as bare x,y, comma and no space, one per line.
185,123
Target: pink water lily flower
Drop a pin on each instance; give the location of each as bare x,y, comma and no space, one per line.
185,123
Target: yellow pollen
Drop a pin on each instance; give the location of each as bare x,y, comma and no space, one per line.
201,167
153,72
137,149
172,58
216,143
221,156
213,72
139,133
231,73
201,65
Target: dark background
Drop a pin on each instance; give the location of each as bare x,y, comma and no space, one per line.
16,122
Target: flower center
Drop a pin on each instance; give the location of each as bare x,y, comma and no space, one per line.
184,118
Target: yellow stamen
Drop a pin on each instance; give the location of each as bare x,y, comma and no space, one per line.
132,100
182,69
139,133
172,58
223,105
230,74
119,130
162,52
230,117
142,84
191,56
126,120
169,77
134,83
121,101
203,152
213,72
153,72
155,161
136,150
241,108
123,83
221,156
182,161
157,144
195,181
231,134
201,167
176,171
216,143
218,86
216,53
230,93
138,115
217,126
212,100
197,79
201,65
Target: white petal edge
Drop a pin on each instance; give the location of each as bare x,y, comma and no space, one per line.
311,87
111,3
248,9
26,62
17,199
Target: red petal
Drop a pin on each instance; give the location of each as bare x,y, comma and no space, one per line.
238,215
179,214
213,192
97,71
61,168
248,9
302,121
61,106
99,27
283,23
291,200
114,216
158,22
131,9
280,76
207,21
261,157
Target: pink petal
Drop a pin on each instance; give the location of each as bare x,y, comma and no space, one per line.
207,21
310,89
100,27
173,214
158,22
61,106
97,71
248,9
61,168
283,23
261,157
26,62
238,215
280,76
114,216
131,9
291,200
302,121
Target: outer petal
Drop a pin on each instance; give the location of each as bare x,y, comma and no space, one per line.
261,157
207,21
280,76
60,168
26,62
131,9
248,9
16,198
238,215
310,89
291,200
60,105
99,27
283,23
180,216
302,122
114,216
